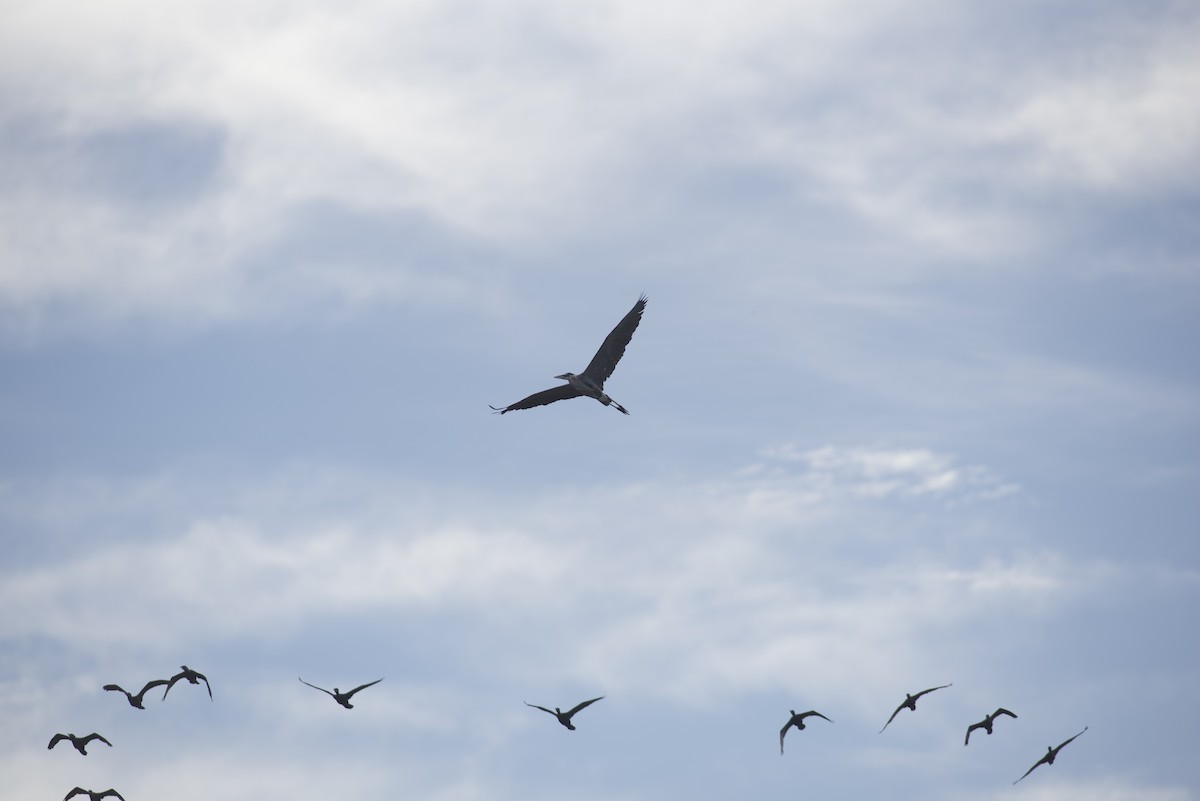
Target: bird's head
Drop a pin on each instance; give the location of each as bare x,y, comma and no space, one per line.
565,376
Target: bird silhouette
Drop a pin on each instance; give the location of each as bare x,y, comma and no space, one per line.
910,701
80,743
339,696
565,717
798,722
591,381
192,676
1051,753
986,723
136,700
93,795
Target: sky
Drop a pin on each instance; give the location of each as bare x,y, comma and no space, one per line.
915,399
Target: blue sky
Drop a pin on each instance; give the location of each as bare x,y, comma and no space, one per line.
915,398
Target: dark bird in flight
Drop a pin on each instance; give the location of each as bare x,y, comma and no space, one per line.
136,700
339,696
192,676
1050,754
798,722
591,381
986,723
565,717
80,743
93,795
910,701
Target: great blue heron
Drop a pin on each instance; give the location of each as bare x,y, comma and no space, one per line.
798,722
591,381
565,717
910,701
986,723
341,697
93,795
136,700
80,743
1051,753
192,676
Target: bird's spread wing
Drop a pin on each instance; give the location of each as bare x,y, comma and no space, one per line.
315,687
562,392
95,736
152,684
535,706
581,705
56,739
931,689
75,792
171,683
112,792
362,687
206,684
893,717
605,360
782,732
1003,711
116,687
1035,764
813,712
1064,742
970,729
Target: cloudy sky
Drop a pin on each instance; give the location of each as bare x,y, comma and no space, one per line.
915,399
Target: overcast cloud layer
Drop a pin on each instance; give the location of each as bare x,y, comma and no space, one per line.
914,399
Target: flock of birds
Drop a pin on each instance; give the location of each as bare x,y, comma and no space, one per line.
589,383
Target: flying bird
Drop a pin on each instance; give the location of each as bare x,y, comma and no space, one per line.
590,382
192,676
565,717
339,696
136,700
910,701
986,723
92,795
80,743
1050,754
798,722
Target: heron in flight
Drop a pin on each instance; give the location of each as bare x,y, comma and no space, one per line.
93,795
798,722
192,676
590,382
136,700
80,743
342,698
910,701
1050,754
565,717
986,723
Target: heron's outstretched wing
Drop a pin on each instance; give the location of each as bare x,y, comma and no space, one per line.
581,705
782,732
95,736
151,685
116,687
56,739
605,360
813,712
112,792
171,683
542,398
315,687
1002,711
75,792
204,678
1064,742
535,706
362,687
972,728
